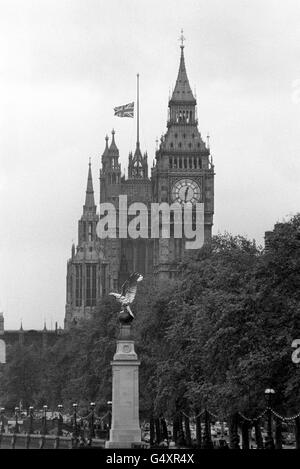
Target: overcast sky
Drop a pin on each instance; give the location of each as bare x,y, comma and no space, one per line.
65,64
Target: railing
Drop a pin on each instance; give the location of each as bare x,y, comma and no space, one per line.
35,430
28,441
239,432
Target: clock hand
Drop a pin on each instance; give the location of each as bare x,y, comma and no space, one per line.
186,193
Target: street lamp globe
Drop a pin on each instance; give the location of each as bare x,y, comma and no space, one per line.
269,393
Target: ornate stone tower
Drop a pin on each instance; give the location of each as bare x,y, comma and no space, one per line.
138,164
125,255
86,269
110,189
183,166
183,172
110,174
137,254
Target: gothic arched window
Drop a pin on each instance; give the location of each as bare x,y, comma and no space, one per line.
90,235
90,290
78,284
84,231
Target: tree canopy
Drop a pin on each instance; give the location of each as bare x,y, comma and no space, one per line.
215,337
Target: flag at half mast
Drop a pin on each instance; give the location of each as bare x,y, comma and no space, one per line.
127,110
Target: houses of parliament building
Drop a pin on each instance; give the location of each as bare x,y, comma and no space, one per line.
182,160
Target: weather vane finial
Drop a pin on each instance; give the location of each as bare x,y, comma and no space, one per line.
208,140
182,39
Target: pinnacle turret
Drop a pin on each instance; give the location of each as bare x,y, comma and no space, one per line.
113,149
138,164
182,92
89,196
106,150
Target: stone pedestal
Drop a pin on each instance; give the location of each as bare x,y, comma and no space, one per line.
125,427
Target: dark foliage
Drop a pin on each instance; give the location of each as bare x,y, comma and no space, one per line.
216,337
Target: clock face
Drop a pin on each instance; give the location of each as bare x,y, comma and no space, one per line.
186,190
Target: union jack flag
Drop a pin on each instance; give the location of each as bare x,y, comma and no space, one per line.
127,110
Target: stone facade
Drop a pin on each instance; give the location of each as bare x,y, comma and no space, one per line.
42,338
182,159
87,272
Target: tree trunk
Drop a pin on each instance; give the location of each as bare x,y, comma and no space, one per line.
278,434
188,438
157,431
207,442
245,435
152,431
198,431
258,435
233,432
175,428
164,429
180,439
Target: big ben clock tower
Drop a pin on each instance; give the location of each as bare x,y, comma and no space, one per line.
184,171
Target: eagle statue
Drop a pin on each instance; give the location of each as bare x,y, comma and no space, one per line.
127,296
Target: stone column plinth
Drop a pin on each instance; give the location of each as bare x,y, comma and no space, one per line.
125,428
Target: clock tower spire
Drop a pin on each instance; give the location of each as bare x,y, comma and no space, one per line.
183,171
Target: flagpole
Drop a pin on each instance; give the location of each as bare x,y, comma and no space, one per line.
138,110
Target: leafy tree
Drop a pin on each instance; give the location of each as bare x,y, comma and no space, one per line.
216,337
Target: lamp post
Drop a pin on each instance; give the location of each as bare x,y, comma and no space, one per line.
75,420
45,408
16,418
31,409
2,410
92,420
60,420
269,393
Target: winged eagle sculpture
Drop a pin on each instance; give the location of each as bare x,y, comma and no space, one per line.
127,296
